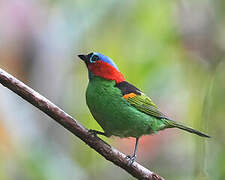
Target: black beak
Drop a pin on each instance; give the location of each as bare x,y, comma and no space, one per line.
83,57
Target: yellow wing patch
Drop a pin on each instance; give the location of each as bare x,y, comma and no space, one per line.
130,95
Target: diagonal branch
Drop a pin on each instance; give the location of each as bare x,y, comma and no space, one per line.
74,127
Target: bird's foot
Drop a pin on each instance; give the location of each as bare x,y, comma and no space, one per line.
131,159
95,132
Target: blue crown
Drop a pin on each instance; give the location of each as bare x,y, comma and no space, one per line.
105,59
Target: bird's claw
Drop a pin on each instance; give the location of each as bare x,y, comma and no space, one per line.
131,159
93,132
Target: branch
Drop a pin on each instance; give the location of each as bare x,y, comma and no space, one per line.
74,127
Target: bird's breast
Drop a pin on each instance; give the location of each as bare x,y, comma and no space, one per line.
112,112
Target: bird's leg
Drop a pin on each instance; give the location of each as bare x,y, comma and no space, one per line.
95,132
133,157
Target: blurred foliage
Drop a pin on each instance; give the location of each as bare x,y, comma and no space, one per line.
172,50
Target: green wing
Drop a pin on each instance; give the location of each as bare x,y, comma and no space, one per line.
139,100
145,104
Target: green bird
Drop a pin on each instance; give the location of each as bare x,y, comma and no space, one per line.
119,107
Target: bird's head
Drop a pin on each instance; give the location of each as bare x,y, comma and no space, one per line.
102,66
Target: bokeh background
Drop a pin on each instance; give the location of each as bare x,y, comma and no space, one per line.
173,50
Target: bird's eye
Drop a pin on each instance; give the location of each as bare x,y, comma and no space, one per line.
94,58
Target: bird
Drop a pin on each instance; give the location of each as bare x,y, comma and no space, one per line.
120,108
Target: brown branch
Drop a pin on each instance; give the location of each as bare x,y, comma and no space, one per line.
74,127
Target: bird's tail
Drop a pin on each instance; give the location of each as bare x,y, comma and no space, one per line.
173,124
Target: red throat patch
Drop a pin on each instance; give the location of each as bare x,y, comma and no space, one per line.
106,71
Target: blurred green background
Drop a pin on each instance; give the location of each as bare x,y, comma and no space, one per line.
172,50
